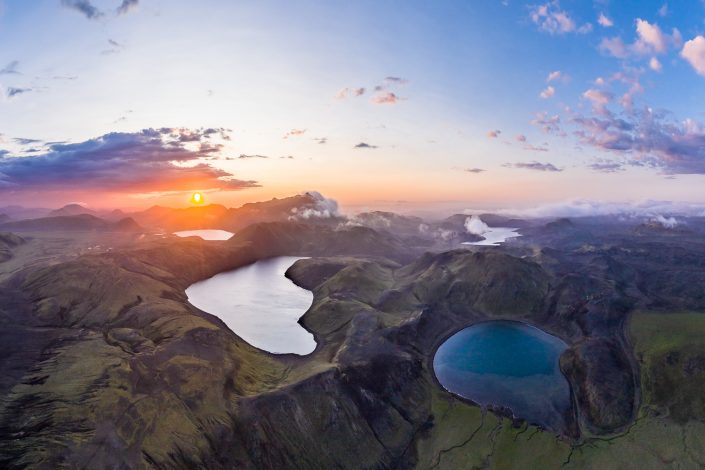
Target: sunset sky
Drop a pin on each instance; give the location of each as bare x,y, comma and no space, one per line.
484,103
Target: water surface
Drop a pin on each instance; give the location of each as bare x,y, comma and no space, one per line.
259,304
509,364
206,234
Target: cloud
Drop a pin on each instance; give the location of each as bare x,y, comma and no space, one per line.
548,124
363,145
520,138
535,148
10,69
614,47
647,138
665,222
551,19
663,11
493,134
85,7
474,170
151,160
548,92
583,208
25,141
294,133
126,6
345,92
655,65
11,92
244,156
396,80
537,166
599,99
650,40
604,166
321,140
386,98
555,75
694,52
320,207
605,22
476,226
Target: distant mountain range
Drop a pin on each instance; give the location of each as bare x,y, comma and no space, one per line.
72,223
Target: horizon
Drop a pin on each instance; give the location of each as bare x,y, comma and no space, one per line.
381,106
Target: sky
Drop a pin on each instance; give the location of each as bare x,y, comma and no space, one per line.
377,104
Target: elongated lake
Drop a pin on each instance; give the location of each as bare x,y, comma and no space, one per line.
509,364
259,304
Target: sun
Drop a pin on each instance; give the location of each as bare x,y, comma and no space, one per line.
197,198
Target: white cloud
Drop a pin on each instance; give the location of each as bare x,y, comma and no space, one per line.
319,207
646,209
665,222
650,40
551,19
694,52
555,75
476,226
599,99
548,92
655,65
605,22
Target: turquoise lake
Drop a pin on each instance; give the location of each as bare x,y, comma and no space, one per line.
510,364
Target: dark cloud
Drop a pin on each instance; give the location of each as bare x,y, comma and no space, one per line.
126,6
113,42
363,145
10,69
243,156
396,80
85,7
606,166
648,138
537,166
474,170
12,91
24,141
288,157
147,161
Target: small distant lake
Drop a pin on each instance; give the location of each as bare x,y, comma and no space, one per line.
206,234
496,236
510,364
259,304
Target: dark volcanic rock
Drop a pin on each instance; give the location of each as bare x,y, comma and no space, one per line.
603,384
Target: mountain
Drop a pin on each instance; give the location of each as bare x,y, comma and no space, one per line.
71,209
20,212
307,206
71,223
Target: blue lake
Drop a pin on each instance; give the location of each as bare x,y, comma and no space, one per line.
509,364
